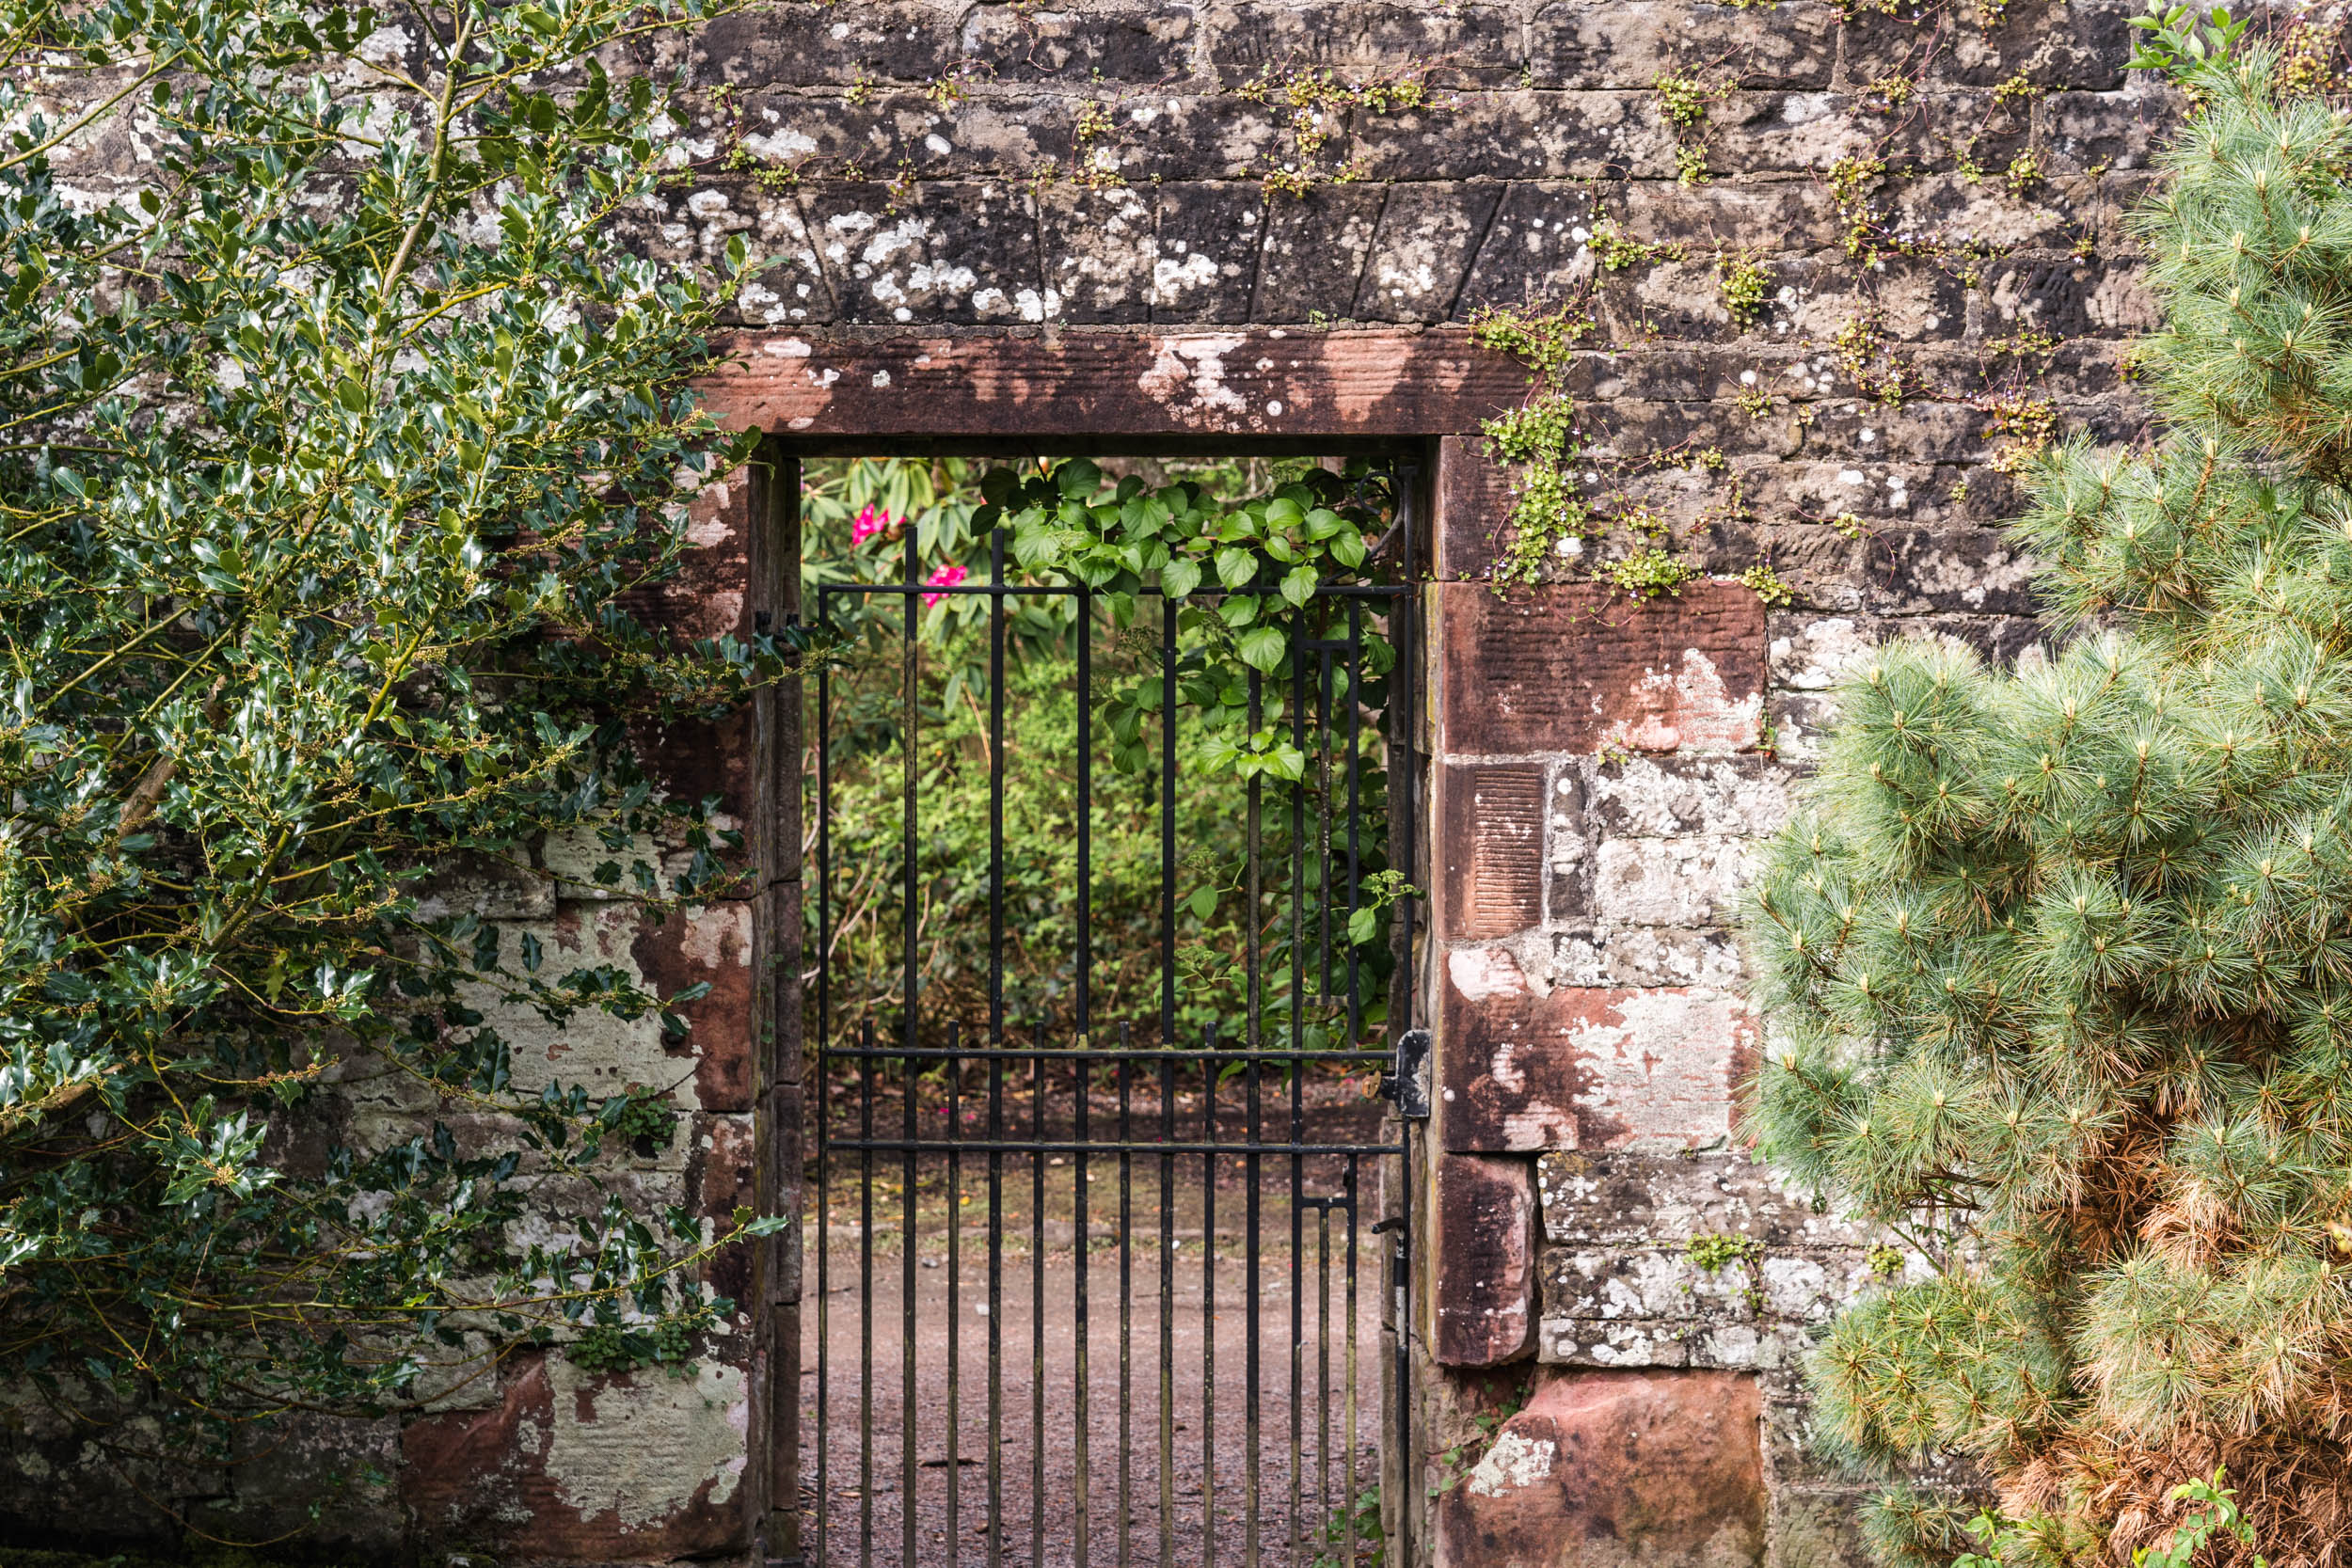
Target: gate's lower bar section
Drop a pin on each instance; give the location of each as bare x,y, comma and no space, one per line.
1095,1308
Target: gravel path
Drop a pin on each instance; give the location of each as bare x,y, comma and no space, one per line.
1041,1500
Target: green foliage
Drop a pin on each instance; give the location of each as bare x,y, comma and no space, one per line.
1714,1251
1768,585
1212,526
2218,1516
2056,964
2182,44
1745,285
340,453
1649,573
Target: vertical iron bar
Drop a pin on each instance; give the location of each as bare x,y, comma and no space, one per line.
912,872
1167,1082
1253,1305
1348,1419
1297,1068
865,1298
1403,717
1323,1366
1323,814
1037,1303
1208,1301
822,1092
1355,811
996,1041
1167,1316
1254,1041
955,1291
1081,1078
1126,1294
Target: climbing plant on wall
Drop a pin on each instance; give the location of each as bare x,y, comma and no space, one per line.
2056,961
341,448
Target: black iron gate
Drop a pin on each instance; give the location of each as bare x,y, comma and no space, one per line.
1094,1288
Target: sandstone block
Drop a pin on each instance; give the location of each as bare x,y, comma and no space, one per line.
1975,571
1473,492
961,253
1532,254
1464,45
1642,956
1492,839
1484,1290
1207,263
1569,669
1645,796
899,40
1315,249
1144,43
1617,1470
1583,1068
1101,250
1627,1199
641,1467
1694,880
1520,135
1423,246
1613,44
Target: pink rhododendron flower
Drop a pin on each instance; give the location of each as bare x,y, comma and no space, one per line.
946,576
869,522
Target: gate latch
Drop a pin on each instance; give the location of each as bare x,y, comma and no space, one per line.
1406,1082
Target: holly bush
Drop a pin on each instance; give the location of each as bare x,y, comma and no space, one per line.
343,437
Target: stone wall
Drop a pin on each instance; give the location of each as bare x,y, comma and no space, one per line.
1062,220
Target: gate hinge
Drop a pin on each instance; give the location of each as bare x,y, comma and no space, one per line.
1406,1082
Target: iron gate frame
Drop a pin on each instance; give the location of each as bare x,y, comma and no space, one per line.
1404,1080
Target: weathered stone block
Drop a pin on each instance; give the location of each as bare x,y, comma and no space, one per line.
1973,570
2066,296
1773,215
1491,820
1694,881
1630,1200
2078,43
1459,45
487,888
1631,43
644,1467
1315,246
1484,1286
1207,264
1196,137
820,45
1783,132
1101,248
1583,1068
1144,44
1520,135
1422,250
1616,1470
964,253
1473,492
1645,957
1532,253
1668,797
1568,669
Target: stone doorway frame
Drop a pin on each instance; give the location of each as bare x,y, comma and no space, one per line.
1242,390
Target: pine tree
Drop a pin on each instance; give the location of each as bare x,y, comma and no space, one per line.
2058,962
